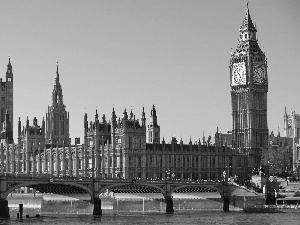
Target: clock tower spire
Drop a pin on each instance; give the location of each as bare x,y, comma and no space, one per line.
249,87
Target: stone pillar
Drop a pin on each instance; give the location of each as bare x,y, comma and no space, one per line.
169,199
4,210
97,211
226,202
225,197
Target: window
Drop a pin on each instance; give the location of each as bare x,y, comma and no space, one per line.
3,99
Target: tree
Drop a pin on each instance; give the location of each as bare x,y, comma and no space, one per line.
275,159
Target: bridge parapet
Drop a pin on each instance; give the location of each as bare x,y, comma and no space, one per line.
236,190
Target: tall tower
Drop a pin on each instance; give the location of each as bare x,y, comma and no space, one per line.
6,106
57,118
291,125
249,87
153,128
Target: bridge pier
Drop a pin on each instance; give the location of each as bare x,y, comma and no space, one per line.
4,210
97,211
169,204
97,207
226,202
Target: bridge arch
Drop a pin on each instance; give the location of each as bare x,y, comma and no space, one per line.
219,190
111,186
33,184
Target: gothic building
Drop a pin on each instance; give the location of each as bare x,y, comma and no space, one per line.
118,149
57,118
6,106
249,88
291,124
292,134
33,141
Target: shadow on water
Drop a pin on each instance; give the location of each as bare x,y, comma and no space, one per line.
188,217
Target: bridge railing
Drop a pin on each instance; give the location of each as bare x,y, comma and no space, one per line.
134,180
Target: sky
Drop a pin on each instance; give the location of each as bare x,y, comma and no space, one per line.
133,54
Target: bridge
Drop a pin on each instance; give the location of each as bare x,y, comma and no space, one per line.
95,186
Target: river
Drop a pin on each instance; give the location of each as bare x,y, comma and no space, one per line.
187,217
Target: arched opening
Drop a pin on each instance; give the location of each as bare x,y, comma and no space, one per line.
133,198
197,198
49,198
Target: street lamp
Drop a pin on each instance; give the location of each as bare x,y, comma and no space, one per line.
168,174
223,182
224,175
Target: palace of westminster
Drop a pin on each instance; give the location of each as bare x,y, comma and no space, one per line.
118,147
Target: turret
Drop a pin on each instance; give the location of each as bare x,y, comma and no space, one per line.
19,127
131,115
85,124
9,67
153,128
43,126
125,119
113,119
143,118
96,116
27,124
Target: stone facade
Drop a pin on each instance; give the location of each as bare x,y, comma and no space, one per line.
119,150
36,143
249,87
291,125
57,118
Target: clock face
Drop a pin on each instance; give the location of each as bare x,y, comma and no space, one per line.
259,74
238,74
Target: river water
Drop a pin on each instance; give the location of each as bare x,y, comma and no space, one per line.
182,217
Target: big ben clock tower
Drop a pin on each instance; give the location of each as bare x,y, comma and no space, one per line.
249,87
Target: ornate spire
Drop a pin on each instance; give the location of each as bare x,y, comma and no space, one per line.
247,22
9,67
96,115
57,96
247,40
57,74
